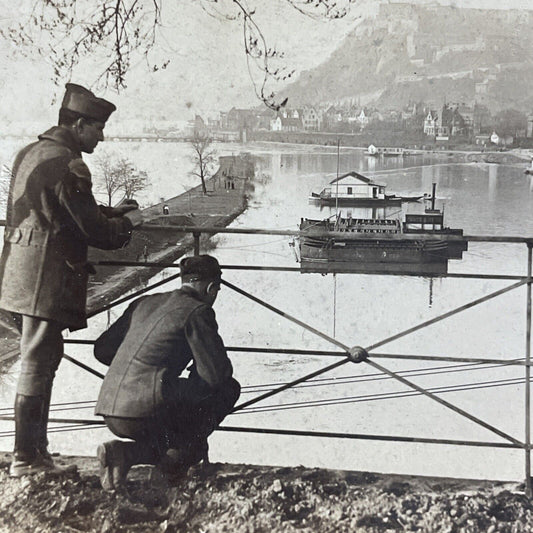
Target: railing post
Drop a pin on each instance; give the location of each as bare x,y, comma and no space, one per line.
196,236
528,373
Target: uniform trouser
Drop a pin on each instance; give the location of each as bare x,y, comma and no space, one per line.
185,421
41,350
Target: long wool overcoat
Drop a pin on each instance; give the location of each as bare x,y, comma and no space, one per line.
52,217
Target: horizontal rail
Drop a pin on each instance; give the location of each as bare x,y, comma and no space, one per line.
295,432
333,353
360,436
154,264
336,234
375,355
511,239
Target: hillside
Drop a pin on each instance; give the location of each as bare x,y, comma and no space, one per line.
434,54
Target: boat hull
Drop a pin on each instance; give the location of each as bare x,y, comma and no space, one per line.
373,251
356,202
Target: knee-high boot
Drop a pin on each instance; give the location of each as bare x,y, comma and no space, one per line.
27,460
42,431
28,411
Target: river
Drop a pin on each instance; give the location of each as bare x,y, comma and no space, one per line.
483,199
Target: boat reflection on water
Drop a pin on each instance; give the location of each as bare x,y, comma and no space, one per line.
421,244
327,266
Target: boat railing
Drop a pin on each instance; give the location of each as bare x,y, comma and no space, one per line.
341,350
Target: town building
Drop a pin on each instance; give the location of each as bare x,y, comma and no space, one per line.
430,123
310,119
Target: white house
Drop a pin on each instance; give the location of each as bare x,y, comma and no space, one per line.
362,118
501,140
354,185
275,124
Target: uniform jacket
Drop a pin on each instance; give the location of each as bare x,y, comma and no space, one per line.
151,344
52,217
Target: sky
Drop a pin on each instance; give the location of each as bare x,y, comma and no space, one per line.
207,70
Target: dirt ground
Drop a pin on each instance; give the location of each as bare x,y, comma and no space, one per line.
245,498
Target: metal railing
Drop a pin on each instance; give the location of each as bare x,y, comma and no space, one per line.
519,281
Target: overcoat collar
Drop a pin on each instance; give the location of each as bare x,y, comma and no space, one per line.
187,289
62,136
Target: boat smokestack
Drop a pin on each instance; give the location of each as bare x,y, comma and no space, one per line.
433,197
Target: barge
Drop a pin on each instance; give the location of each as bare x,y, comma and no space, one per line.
421,243
374,151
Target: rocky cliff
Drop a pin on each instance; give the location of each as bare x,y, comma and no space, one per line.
408,53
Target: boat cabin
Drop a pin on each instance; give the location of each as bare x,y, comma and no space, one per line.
432,220
354,185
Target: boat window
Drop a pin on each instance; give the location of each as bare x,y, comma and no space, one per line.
350,190
375,192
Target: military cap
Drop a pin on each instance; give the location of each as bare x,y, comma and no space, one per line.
80,100
200,268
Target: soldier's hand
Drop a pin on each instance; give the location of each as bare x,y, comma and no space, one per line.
357,354
135,217
128,201
125,207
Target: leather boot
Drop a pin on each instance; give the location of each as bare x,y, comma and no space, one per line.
116,457
175,464
27,459
42,432
27,419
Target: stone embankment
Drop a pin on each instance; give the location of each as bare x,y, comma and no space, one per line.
246,498
224,201
226,198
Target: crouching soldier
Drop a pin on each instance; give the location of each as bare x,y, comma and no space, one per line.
143,396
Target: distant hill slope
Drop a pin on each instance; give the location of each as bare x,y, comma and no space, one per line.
432,53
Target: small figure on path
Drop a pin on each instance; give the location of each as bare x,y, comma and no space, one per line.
144,396
52,218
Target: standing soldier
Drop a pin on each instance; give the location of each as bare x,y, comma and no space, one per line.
52,217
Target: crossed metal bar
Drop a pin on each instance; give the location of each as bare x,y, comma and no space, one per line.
369,348
373,363
513,442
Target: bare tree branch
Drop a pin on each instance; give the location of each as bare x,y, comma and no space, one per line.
118,174
122,29
203,156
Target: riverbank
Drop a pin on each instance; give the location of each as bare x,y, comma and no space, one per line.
226,198
247,498
411,140
216,208
466,154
